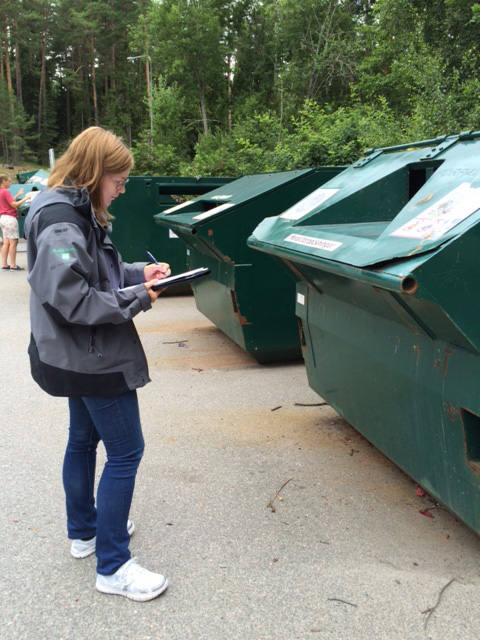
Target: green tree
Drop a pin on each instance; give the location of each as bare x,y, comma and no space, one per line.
316,40
170,145
14,128
190,50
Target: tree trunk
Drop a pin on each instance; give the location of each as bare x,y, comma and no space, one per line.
6,150
94,86
203,113
68,105
2,69
112,78
202,101
18,75
42,95
149,98
84,92
8,70
229,91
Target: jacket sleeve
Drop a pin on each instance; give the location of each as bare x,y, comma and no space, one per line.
61,275
133,273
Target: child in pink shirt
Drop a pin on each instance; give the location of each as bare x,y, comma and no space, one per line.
9,223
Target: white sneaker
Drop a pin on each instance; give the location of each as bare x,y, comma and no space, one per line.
133,581
84,548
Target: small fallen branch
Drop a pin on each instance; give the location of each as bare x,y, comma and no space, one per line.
343,601
315,404
175,342
428,612
276,408
270,504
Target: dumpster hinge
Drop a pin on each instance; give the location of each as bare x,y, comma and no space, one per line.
446,144
372,154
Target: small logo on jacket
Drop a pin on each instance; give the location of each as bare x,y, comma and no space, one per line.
65,253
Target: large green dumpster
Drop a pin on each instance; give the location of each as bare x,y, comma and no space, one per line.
135,230
23,177
388,299
38,178
248,296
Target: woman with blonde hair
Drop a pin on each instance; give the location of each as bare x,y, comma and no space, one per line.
84,346
9,223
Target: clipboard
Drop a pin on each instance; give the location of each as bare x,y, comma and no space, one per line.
187,276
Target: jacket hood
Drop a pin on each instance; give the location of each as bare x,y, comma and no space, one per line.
78,198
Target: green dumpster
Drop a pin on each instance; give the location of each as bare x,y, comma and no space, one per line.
136,232
247,296
23,177
38,178
388,304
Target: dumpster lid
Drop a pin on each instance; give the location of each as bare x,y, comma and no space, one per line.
233,194
40,177
399,204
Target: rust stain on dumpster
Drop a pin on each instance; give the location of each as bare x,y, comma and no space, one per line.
448,353
243,321
451,410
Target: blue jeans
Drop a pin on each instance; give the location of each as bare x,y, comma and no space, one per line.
116,421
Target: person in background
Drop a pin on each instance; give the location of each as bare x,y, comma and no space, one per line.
84,346
9,223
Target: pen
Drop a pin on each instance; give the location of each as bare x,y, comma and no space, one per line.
151,257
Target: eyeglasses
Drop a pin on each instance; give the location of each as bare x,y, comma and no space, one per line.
119,184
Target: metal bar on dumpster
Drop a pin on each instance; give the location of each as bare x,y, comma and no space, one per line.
405,283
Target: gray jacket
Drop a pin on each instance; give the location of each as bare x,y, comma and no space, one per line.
83,340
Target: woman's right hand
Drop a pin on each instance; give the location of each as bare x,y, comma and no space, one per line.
153,294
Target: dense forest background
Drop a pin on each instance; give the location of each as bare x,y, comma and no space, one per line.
227,87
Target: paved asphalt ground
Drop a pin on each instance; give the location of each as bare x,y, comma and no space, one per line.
342,552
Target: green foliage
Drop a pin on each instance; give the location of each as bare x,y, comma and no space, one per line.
170,117
190,49
250,147
14,128
155,159
320,137
169,145
239,86
315,38
317,136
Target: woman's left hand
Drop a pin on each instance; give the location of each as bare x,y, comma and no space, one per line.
156,271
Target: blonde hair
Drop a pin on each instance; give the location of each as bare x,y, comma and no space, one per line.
90,156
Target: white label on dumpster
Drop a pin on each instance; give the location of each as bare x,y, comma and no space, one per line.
212,212
315,243
39,180
171,234
300,298
221,197
308,203
178,206
442,216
